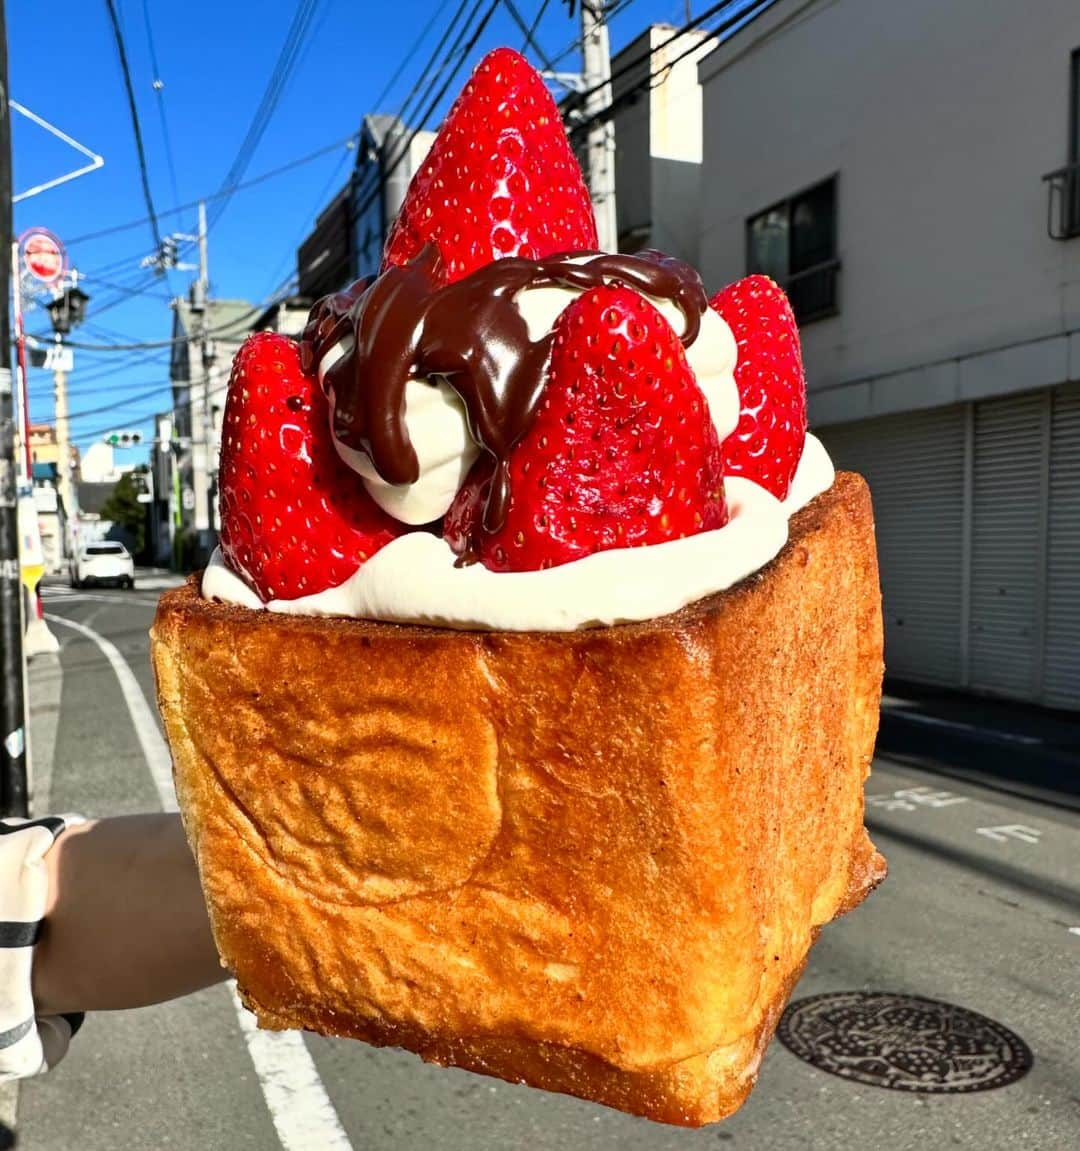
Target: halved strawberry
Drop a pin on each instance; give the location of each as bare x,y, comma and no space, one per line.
500,179
294,519
768,443
621,452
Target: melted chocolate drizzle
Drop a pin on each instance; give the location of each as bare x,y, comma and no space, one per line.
407,324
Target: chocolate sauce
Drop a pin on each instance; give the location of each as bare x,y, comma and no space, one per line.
408,324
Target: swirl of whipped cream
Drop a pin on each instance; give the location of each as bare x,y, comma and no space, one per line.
436,419
413,579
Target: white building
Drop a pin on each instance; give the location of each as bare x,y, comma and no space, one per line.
207,334
887,161
658,140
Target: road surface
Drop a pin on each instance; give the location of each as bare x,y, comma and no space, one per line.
981,909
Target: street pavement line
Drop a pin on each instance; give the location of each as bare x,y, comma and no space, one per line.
296,1098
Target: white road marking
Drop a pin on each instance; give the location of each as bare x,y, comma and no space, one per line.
909,798
1009,831
299,1106
92,597
1074,930
302,1112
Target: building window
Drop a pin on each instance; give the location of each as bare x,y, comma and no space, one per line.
795,243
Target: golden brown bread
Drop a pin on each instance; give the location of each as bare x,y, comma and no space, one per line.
591,861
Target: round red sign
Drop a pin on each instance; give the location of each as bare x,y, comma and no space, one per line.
43,255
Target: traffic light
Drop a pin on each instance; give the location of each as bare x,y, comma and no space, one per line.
124,439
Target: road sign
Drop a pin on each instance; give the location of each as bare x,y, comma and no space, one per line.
43,255
59,358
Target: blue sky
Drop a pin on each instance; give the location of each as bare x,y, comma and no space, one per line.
215,60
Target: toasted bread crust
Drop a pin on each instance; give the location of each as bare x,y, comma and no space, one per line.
591,861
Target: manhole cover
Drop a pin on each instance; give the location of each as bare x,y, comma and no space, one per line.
903,1042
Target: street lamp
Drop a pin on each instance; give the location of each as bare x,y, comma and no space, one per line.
67,309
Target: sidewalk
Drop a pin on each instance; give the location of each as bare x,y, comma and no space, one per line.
1014,747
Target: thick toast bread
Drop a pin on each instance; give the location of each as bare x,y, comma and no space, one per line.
592,861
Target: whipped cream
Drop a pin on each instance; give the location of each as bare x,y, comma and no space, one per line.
435,418
437,424
413,579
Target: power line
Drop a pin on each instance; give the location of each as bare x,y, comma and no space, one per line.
279,77
407,58
433,59
159,87
118,34
320,202
116,405
747,13
606,16
580,98
240,187
142,282
102,389
392,166
283,292
530,31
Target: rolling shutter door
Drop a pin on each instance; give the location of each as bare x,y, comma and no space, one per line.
1006,543
914,464
1061,669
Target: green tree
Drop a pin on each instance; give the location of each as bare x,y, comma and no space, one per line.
123,506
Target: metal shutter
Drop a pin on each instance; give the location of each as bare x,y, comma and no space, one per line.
1061,668
914,463
1007,551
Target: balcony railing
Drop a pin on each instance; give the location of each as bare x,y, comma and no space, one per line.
814,292
1063,202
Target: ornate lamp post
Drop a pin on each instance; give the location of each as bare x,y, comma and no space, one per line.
66,311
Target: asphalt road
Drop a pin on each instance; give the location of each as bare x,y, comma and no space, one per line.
981,909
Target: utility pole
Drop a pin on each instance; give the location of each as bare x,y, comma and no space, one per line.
13,783
202,435
600,143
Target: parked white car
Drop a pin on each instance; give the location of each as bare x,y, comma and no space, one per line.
104,561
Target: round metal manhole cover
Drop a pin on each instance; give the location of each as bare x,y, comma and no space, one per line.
903,1042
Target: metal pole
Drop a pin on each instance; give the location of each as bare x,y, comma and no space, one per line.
600,143
63,441
23,383
13,782
209,366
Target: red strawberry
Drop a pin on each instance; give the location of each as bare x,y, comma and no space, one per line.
500,179
767,444
294,518
621,452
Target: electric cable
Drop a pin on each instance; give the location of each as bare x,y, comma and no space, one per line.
607,14
689,26
423,79
122,52
279,78
159,88
530,31
240,187
283,292
747,12
407,58
392,165
116,405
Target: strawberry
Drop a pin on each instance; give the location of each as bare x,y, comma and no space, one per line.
294,519
500,178
767,444
621,452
